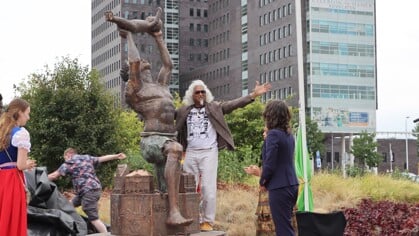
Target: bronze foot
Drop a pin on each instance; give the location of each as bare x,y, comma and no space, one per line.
108,15
158,23
177,219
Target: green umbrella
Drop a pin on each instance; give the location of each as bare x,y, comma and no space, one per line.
303,169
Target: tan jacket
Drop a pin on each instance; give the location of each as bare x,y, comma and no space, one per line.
215,111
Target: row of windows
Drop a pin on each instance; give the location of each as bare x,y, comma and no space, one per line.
221,90
215,74
199,27
102,27
343,92
198,42
218,5
265,2
112,83
116,50
135,15
198,56
347,70
172,18
219,56
221,21
282,94
344,49
272,36
116,66
276,54
276,14
198,12
275,75
142,2
105,41
334,27
100,15
220,38
341,11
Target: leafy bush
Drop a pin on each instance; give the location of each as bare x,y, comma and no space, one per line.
354,171
231,164
382,218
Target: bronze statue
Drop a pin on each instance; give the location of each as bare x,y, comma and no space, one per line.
151,98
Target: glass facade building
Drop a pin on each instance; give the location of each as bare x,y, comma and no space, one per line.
341,63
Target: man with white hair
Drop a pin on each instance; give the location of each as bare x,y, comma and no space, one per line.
202,130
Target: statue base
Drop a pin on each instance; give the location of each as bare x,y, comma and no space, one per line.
146,214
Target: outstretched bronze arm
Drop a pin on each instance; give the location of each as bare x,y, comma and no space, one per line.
166,70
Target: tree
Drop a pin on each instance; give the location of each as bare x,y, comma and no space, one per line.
246,125
365,150
415,133
70,108
315,138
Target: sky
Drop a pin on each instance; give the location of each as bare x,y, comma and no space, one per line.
39,33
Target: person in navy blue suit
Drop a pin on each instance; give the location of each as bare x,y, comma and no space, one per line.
278,175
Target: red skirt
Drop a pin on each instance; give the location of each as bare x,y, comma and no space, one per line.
13,209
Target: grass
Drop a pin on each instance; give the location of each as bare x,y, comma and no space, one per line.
236,204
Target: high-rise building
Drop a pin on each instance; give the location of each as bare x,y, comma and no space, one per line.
249,41
341,65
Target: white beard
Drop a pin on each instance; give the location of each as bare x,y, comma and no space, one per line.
201,102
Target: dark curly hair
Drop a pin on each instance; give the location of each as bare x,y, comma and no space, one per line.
277,115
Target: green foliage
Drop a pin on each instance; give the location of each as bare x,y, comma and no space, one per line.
177,101
415,133
315,138
70,108
129,129
128,136
354,171
136,161
231,164
364,149
246,125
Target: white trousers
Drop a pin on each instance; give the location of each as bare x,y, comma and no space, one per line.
204,163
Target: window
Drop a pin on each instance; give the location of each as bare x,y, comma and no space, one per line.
191,27
205,13
191,42
198,12
191,12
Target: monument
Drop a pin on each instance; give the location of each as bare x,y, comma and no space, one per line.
138,210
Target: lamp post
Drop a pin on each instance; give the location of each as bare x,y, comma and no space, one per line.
407,146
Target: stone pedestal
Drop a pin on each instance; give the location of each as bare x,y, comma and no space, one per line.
137,210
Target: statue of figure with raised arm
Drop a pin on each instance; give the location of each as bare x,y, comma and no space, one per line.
151,98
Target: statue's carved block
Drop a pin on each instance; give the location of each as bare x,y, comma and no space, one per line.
145,214
139,184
